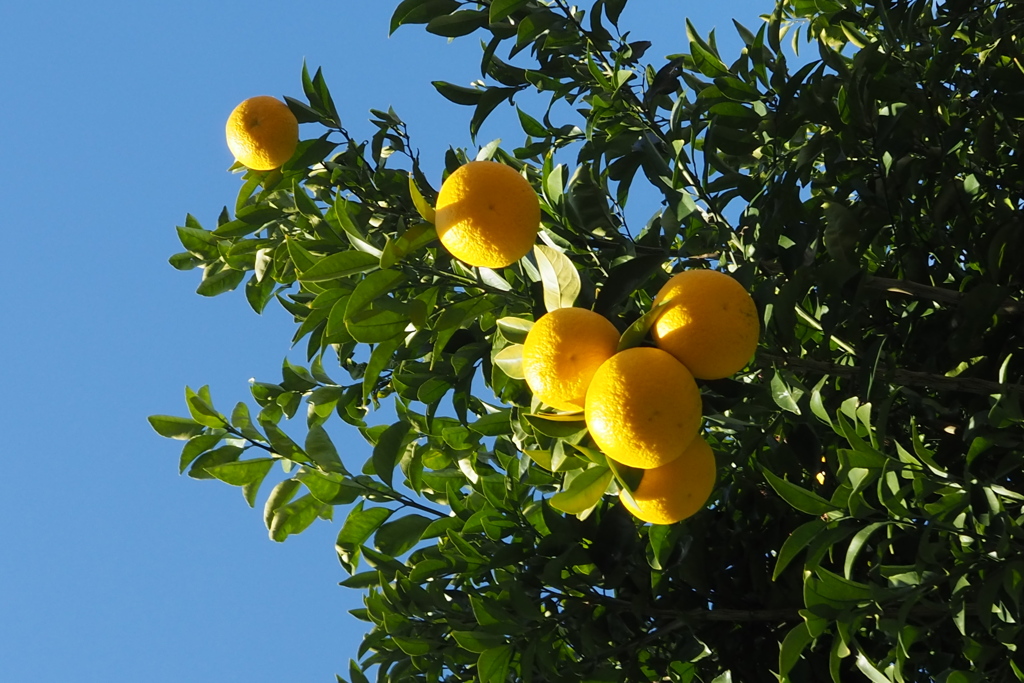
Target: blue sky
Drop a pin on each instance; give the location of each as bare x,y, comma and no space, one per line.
112,567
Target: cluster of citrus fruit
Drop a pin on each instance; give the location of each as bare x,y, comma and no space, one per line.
641,405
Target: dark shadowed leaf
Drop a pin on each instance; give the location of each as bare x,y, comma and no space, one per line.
390,446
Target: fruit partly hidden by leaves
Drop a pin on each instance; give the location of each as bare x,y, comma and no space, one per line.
709,324
262,133
487,215
643,408
563,350
677,490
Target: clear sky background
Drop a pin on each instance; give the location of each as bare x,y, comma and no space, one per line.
112,567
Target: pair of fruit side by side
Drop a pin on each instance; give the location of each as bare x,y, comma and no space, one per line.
487,214
642,405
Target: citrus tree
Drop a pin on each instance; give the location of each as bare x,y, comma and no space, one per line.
867,501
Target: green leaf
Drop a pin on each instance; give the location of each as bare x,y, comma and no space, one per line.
502,9
559,277
401,535
321,450
493,664
201,408
625,278
514,330
738,90
558,426
584,491
793,645
329,489
359,526
183,261
390,446
410,241
490,99
414,647
218,456
282,443
373,286
530,125
175,427
294,518
279,496
241,472
340,219
458,94
379,359
856,544
795,543
423,207
219,281
817,406
799,498
783,395
383,320
869,669
703,58
842,232
493,424
340,265
195,447
839,589
477,642
241,421
510,360
459,23
637,331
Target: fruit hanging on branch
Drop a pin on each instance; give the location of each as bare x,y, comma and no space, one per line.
262,133
487,214
676,490
563,350
709,323
643,408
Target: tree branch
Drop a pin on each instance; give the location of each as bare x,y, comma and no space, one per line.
969,385
939,294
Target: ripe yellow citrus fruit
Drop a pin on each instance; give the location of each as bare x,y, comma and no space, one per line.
487,214
643,407
709,324
677,490
262,133
562,352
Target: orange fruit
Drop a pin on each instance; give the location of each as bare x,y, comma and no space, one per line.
676,490
710,323
487,214
643,407
262,133
562,352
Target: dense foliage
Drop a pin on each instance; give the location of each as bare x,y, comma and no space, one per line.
868,517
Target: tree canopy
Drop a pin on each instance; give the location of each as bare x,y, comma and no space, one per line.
863,184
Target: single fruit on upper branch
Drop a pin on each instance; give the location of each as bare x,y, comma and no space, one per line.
262,133
562,352
487,214
643,407
710,323
678,490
